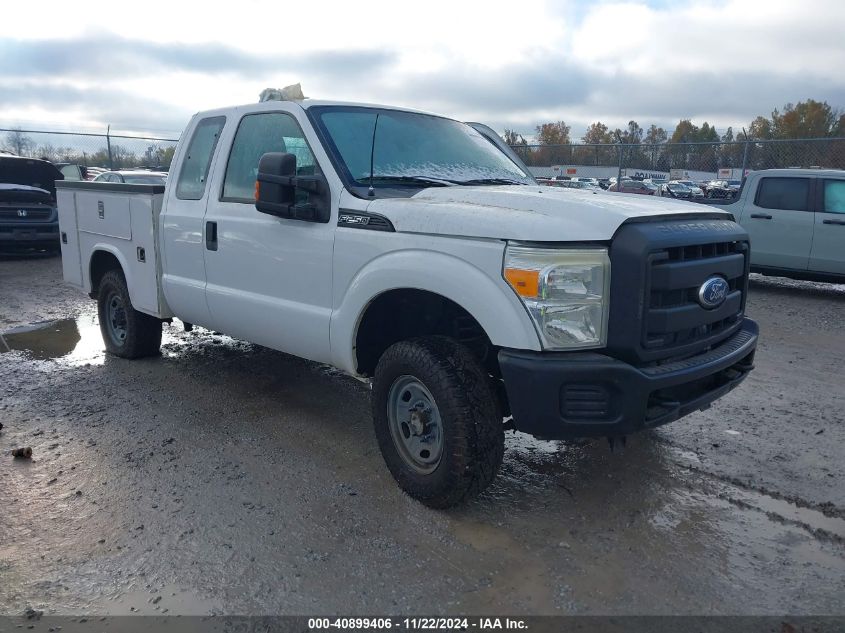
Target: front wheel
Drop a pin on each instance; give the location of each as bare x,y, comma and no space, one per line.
126,332
437,420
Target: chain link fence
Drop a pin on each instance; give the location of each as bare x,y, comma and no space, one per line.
723,160
106,151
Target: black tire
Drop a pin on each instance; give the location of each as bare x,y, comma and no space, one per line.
472,427
141,332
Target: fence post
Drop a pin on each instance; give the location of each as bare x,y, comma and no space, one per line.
108,146
619,174
744,153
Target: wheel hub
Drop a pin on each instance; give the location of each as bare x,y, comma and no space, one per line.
117,318
415,424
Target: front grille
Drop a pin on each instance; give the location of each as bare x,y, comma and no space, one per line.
673,316
31,215
657,270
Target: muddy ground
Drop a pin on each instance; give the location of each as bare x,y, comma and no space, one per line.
227,478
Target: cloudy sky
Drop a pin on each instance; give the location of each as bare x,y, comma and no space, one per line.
147,66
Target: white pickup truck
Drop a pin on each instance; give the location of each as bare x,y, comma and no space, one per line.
412,251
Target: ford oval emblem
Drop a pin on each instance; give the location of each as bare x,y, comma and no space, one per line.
713,293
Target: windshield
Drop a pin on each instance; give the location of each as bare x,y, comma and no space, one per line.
413,150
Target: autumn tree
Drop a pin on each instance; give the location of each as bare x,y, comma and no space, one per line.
653,139
554,142
592,153
806,119
518,144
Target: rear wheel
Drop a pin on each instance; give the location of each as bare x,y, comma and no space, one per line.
126,332
437,420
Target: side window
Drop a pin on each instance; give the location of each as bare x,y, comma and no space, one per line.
783,193
834,196
197,160
259,134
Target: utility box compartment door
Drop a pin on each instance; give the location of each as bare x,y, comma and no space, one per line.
69,237
104,213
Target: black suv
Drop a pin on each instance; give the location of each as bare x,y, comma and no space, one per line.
28,216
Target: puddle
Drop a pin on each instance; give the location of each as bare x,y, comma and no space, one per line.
166,599
79,341
74,341
774,508
786,511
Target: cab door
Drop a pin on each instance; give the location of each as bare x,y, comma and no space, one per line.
181,224
828,251
780,222
269,279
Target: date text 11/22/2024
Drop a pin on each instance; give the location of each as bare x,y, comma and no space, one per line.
418,623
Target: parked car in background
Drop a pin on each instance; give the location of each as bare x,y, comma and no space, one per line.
584,184
93,172
73,171
719,189
659,182
577,184
796,220
696,191
133,177
28,216
589,180
675,189
633,186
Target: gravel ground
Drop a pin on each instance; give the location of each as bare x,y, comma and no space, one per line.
227,478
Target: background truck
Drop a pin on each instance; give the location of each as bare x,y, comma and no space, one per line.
28,203
796,220
408,250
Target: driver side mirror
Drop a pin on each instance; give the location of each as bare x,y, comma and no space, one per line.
280,192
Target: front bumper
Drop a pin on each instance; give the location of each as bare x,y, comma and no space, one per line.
581,394
29,235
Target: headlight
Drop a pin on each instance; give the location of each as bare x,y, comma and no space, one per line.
565,292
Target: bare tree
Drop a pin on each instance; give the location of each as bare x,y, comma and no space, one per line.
18,142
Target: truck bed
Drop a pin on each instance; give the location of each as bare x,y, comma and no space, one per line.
119,219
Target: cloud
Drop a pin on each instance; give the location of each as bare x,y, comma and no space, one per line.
110,56
725,61
100,106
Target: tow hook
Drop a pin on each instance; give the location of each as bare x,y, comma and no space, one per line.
614,440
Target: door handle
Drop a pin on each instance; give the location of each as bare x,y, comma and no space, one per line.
833,222
211,236
761,216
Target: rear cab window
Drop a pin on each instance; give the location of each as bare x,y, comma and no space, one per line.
833,196
197,161
788,194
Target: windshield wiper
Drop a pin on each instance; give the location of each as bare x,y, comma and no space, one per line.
491,181
424,180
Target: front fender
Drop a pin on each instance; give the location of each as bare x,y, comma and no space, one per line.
489,300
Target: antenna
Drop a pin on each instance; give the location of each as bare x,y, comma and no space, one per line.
372,192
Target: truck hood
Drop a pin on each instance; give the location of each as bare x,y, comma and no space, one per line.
527,213
23,193
32,172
